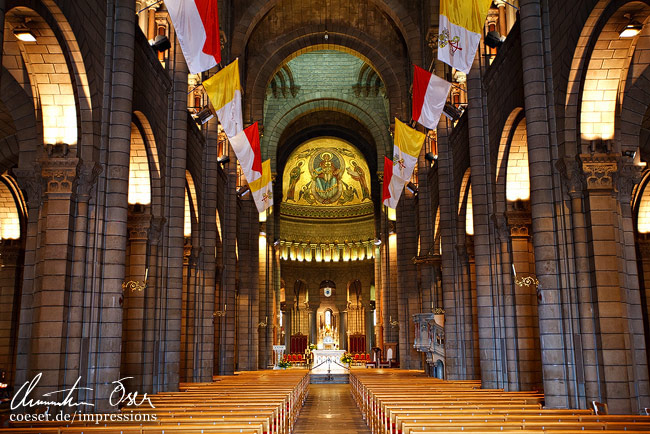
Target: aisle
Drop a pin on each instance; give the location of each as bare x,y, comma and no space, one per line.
330,409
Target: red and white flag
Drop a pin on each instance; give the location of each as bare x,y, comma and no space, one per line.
197,26
392,188
429,97
246,145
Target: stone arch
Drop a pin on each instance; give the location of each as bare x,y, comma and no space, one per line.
139,173
155,182
56,72
513,120
322,101
635,116
191,205
409,30
465,203
599,68
19,105
264,66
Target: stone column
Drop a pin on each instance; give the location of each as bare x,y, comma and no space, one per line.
313,332
343,327
369,327
503,25
557,348
11,258
133,311
49,333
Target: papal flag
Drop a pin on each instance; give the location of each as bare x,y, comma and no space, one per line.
461,26
392,188
408,143
246,145
262,188
224,91
429,97
197,26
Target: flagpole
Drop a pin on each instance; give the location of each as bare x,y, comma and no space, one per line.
151,5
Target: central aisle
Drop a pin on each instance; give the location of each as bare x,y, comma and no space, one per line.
330,408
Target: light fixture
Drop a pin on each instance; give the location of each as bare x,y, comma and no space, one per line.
494,39
276,243
630,154
242,191
377,242
327,35
24,34
161,43
430,157
452,112
223,160
632,28
412,188
204,115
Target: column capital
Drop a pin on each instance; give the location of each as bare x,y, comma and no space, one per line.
88,174
599,170
138,225
572,176
30,181
59,174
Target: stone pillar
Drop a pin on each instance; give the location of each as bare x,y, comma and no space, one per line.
624,381
503,24
557,348
11,258
343,328
369,327
134,311
286,321
50,303
313,333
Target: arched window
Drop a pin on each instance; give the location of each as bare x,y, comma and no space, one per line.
328,318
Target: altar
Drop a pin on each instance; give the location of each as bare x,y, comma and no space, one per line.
328,359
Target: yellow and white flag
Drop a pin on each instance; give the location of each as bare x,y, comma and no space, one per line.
224,91
461,26
408,143
262,188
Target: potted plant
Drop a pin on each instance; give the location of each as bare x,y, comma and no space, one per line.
284,364
346,359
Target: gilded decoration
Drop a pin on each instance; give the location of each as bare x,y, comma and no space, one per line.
326,172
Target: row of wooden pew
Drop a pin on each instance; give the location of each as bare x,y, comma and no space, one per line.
261,402
405,402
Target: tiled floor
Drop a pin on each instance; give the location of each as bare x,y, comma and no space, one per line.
330,409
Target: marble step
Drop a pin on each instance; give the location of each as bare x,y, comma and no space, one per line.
330,379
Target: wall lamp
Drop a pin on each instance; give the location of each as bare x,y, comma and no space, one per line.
412,188
494,39
223,160
243,191
430,157
377,242
204,115
630,154
161,43
452,112
631,29
24,34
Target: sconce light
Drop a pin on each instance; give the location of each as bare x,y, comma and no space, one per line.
160,43
451,112
24,34
223,160
204,115
631,29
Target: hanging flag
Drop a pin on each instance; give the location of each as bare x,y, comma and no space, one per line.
408,143
262,188
429,97
246,145
461,25
197,26
392,188
224,92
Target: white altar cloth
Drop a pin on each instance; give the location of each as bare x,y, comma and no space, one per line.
328,359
